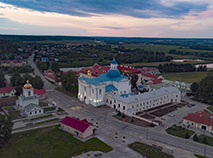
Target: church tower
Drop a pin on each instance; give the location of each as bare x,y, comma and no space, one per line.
28,90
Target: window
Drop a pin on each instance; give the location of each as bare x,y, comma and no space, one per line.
100,91
29,93
124,92
119,105
39,111
110,101
35,112
92,91
107,101
123,107
30,113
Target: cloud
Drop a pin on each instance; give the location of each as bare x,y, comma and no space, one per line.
135,8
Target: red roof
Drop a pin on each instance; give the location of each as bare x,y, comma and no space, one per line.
200,117
80,125
149,75
129,69
39,91
53,77
7,89
96,70
11,61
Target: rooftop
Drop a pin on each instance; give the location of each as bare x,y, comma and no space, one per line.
31,107
200,117
76,123
102,78
7,89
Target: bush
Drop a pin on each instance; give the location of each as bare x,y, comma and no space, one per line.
187,136
205,141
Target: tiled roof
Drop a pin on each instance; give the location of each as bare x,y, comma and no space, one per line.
39,91
110,88
149,75
200,117
80,125
8,89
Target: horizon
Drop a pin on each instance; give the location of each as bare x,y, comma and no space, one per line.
135,19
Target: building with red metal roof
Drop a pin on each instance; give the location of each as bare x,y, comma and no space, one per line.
75,126
201,119
7,91
41,93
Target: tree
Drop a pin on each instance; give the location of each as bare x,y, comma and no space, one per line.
16,80
2,80
70,81
5,130
194,87
134,80
195,137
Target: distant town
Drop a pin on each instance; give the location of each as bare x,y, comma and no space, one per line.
105,97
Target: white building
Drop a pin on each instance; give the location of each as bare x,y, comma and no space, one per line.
114,90
130,104
7,91
29,102
93,90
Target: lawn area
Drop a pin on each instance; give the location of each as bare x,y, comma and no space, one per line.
179,132
210,108
188,77
47,121
204,139
41,117
148,150
49,142
199,156
49,109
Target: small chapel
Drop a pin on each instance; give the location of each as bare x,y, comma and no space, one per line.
29,102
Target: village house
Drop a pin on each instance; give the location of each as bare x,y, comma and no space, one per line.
7,91
77,127
201,119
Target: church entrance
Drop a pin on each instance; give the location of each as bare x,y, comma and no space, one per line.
203,127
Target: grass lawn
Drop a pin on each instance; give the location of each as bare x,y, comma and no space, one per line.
210,108
188,77
199,156
47,121
148,150
49,109
62,90
41,117
179,132
49,142
209,140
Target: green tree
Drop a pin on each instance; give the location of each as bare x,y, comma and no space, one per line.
2,80
5,130
194,87
70,81
195,137
134,80
16,80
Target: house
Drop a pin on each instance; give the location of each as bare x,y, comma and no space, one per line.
41,93
80,128
201,119
10,63
7,91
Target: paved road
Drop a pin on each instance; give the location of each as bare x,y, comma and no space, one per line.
47,84
106,121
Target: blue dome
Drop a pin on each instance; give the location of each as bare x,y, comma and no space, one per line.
113,73
114,61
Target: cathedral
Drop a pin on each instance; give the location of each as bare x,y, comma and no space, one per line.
93,90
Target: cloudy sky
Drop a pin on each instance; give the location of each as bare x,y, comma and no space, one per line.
129,18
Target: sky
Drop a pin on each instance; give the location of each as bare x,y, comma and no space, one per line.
122,18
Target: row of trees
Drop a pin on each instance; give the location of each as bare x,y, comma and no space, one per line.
171,67
18,81
5,130
203,91
2,80
70,82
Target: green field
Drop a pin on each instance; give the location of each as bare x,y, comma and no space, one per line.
179,132
163,48
188,77
49,142
199,156
148,150
208,138
210,108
